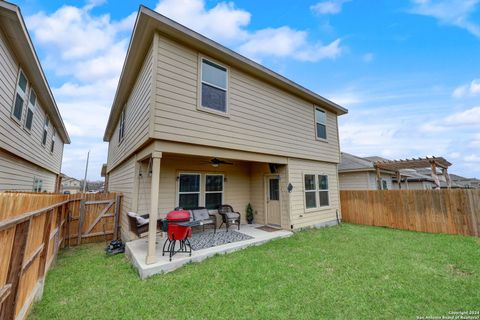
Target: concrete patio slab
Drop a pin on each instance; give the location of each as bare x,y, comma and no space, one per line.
136,251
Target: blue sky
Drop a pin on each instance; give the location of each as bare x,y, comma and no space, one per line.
408,71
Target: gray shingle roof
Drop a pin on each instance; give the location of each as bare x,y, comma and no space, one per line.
351,162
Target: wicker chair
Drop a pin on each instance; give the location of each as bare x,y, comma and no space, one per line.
229,216
139,229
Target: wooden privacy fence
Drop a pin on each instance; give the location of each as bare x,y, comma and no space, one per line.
33,227
436,211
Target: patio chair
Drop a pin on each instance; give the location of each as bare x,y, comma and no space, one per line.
139,223
229,216
202,214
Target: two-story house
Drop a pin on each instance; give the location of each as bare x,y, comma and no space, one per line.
194,123
32,133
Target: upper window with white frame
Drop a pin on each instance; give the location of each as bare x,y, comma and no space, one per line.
321,124
46,124
214,86
121,129
316,191
52,146
32,102
20,96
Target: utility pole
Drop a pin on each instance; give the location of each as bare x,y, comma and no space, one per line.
86,169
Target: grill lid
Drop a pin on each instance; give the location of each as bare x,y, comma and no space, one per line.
178,215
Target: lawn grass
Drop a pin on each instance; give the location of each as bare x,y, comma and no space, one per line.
347,272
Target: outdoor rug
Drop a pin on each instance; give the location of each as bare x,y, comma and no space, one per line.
208,239
267,228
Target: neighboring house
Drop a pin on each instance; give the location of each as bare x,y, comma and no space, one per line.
467,183
357,173
196,124
70,185
414,180
32,133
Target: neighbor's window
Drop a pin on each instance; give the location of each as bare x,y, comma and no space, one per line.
37,185
45,130
121,129
214,86
52,146
30,110
316,191
321,123
323,190
213,190
310,191
384,185
189,190
20,96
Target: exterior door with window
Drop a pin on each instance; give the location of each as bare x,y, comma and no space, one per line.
273,201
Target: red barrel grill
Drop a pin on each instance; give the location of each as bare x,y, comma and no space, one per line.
177,232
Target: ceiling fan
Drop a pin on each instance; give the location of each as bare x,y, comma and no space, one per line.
215,162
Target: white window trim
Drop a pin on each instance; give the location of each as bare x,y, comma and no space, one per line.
121,126
45,129
202,192
205,188
23,94
52,141
199,88
317,191
315,123
30,107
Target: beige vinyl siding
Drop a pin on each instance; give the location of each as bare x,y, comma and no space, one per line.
17,174
137,117
13,137
261,118
354,180
300,217
121,179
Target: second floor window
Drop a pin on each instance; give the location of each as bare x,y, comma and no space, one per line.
52,146
321,123
121,126
45,130
20,96
30,110
214,86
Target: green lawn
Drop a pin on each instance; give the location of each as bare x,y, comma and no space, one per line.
353,272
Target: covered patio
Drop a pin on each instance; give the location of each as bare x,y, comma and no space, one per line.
248,235
170,175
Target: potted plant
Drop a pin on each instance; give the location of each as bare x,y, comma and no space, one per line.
249,213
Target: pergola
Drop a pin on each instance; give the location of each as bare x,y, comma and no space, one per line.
420,163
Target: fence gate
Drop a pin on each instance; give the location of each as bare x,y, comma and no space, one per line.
94,217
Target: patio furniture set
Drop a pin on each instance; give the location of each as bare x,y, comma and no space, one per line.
178,225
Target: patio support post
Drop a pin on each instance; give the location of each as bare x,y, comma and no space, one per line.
399,180
447,178
434,175
153,216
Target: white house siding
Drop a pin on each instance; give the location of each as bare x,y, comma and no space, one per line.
13,137
121,179
17,174
354,180
262,118
300,217
137,117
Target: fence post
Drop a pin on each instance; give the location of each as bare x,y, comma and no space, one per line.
80,221
116,217
14,269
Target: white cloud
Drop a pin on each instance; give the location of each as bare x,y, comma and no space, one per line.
471,89
449,12
328,7
368,57
472,158
223,22
227,24
467,117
